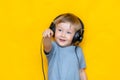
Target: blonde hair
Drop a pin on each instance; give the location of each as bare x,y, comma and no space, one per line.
69,17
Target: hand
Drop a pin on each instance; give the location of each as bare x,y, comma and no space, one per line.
48,33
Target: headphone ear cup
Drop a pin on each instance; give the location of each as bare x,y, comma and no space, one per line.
77,37
79,34
52,27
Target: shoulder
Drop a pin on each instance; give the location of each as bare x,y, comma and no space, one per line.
79,51
78,48
54,44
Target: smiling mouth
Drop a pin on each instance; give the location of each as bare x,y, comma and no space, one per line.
62,40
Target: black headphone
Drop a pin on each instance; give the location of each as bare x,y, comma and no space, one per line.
78,35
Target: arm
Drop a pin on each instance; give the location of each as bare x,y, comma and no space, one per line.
83,75
47,34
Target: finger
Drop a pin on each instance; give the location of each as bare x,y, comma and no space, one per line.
51,33
48,33
45,33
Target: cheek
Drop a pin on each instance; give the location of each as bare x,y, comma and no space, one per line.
57,35
70,37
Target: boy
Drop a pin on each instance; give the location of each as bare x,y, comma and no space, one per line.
65,58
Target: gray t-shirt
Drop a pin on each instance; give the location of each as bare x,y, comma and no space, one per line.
63,62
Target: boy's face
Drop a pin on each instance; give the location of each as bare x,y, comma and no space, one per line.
64,34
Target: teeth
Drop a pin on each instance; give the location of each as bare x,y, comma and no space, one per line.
62,40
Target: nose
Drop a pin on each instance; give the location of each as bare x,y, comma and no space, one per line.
63,34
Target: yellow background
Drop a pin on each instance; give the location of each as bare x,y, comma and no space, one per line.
23,21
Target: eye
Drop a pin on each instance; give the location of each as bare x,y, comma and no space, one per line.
68,32
59,30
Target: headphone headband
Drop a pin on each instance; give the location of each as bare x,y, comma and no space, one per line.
78,35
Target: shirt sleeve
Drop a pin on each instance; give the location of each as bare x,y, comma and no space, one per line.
50,54
82,63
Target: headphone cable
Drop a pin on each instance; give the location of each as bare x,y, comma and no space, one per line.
42,60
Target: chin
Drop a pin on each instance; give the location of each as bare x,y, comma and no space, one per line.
63,45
